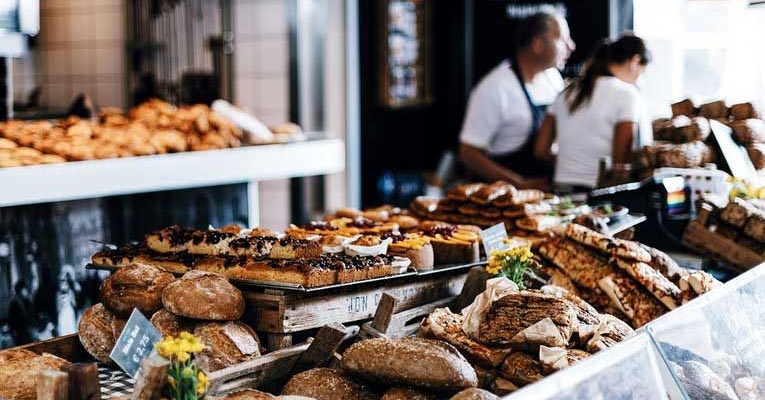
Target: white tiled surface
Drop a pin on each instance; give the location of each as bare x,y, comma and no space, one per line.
261,56
81,50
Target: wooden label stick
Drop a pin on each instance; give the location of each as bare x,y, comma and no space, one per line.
321,350
151,378
384,312
53,385
475,283
83,381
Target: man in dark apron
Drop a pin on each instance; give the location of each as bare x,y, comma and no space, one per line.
507,107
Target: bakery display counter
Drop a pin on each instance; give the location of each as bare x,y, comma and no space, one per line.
119,176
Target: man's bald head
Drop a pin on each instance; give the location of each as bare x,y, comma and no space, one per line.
546,36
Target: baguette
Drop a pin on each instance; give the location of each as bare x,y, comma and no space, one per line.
400,361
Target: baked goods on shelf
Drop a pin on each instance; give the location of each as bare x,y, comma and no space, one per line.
153,127
452,244
99,330
327,384
135,286
226,344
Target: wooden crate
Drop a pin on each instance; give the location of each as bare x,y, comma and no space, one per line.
725,250
279,313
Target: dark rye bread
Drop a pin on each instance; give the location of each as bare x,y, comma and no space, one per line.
19,370
226,344
134,286
204,295
327,384
446,326
474,394
98,331
517,311
521,369
402,393
416,362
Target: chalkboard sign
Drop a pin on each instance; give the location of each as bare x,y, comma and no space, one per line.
135,343
493,238
732,157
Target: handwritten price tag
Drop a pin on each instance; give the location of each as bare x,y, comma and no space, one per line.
135,343
493,238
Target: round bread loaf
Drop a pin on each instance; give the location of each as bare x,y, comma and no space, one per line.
400,393
248,394
475,394
135,286
19,370
226,344
327,384
170,324
414,362
98,331
204,295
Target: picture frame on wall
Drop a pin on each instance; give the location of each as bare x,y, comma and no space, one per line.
405,53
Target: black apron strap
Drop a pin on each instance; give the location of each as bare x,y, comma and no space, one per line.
522,160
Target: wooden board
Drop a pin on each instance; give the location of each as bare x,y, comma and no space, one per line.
275,312
67,347
721,248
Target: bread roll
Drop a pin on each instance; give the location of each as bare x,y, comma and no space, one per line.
326,384
170,324
204,295
416,362
226,344
756,153
685,107
248,394
19,370
743,111
134,286
749,131
474,394
400,393
715,109
97,330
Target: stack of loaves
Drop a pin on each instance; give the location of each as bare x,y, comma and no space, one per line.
392,369
200,302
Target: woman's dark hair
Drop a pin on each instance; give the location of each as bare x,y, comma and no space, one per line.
627,46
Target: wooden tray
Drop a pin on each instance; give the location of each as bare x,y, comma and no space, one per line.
727,251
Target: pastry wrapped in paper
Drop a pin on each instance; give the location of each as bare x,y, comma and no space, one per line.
746,389
474,313
542,333
709,383
552,359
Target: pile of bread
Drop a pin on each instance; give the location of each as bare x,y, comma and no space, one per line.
527,212
627,279
154,127
682,141
200,302
740,220
321,253
387,369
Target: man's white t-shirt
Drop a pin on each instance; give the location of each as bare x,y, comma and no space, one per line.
498,117
587,135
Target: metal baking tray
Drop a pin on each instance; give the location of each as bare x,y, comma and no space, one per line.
302,289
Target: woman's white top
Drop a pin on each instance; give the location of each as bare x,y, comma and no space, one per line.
587,135
498,117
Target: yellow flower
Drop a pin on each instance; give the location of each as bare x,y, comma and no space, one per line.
171,381
197,347
182,356
201,383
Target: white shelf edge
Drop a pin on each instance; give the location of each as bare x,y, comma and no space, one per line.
121,176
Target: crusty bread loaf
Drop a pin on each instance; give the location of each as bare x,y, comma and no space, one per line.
327,384
248,394
743,111
19,369
97,330
416,362
135,286
204,295
474,394
226,344
715,109
401,393
170,324
685,107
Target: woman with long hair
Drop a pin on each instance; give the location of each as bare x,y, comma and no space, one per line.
597,115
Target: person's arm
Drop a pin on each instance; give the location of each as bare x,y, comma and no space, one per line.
479,163
545,140
621,151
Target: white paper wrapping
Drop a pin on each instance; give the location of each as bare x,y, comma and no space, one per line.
475,312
